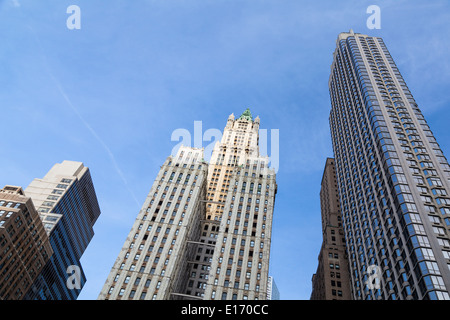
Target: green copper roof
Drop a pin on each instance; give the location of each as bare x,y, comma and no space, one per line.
247,115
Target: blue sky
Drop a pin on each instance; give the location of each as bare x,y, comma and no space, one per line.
111,94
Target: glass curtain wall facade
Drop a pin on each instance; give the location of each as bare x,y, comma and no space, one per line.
393,178
66,201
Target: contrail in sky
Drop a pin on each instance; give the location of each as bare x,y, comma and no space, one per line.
77,112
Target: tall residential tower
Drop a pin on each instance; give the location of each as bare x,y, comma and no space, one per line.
392,177
204,230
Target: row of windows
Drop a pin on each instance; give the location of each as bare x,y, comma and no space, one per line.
347,182
234,296
156,243
132,294
9,204
22,246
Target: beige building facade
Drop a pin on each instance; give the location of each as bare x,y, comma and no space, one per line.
217,242
332,279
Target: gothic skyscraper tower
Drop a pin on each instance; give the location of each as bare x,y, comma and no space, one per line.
204,231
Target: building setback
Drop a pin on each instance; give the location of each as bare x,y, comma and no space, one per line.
241,199
392,177
332,279
66,201
204,230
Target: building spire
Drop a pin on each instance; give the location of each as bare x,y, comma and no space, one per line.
246,115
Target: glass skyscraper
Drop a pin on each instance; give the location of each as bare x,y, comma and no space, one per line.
392,177
67,204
